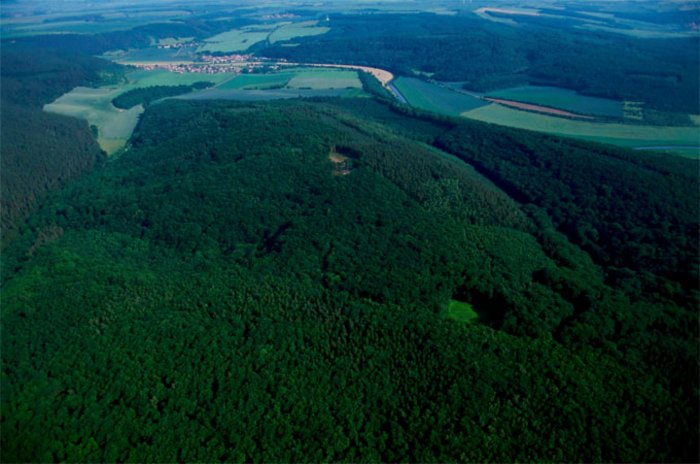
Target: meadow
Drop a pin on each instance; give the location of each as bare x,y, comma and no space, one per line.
625,135
324,79
114,126
564,99
432,97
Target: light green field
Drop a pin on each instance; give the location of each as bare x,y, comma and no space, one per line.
303,29
237,40
461,311
114,126
143,78
95,105
618,134
325,79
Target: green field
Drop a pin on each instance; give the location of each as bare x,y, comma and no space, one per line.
258,81
433,97
325,79
461,311
303,29
564,99
95,105
115,126
237,40
617,134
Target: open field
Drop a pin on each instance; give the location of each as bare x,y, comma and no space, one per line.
617,134
435,98
257,81
325,79
564,99
461,312
299,78
95,105
302,29
537,108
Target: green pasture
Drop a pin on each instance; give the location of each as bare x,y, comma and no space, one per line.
293,30
325,79
436,98
626,135
563,99
461,311
95,106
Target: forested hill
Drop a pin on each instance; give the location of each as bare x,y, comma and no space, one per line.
276,282
41,151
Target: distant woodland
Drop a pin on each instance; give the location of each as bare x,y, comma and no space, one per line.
662,72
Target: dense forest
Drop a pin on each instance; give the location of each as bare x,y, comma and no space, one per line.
147,95
661,72
41,151
224,291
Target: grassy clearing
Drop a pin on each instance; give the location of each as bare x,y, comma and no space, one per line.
461,311
325,79
237,40
435,98
617,134
562,99
95,105
303,29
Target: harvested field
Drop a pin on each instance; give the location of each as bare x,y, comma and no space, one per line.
537,108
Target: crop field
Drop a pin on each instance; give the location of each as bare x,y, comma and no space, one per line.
461,312
143,78
298,78
435,98
302,29
625,135
325,79
237,40
562,99
258,81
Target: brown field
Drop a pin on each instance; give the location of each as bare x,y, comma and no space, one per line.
537,108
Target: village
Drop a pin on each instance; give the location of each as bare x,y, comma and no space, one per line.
214,64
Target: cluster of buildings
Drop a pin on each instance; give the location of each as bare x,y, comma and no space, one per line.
235,58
